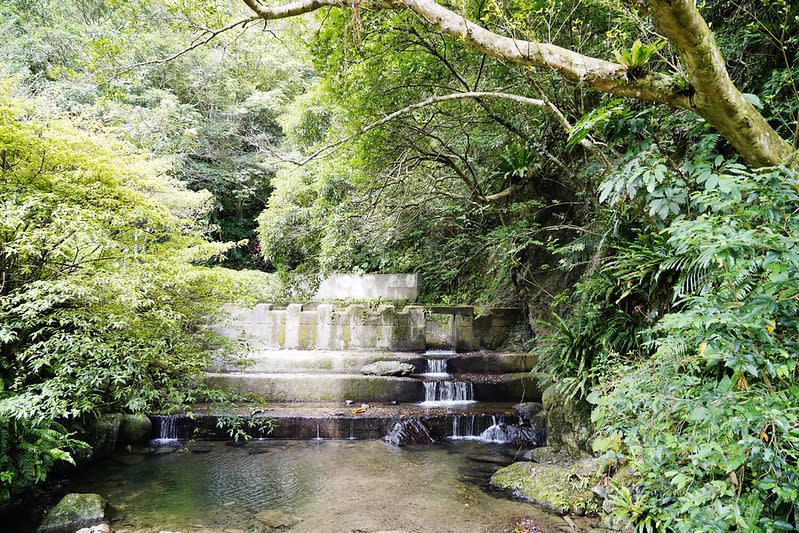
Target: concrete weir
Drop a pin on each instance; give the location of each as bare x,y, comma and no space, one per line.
333,420
358,327
435,361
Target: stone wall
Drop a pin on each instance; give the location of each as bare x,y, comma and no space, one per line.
368,287
357,327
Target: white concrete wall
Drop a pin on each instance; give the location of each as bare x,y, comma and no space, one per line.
368,287
356,327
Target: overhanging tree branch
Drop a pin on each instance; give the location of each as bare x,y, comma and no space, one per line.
710,92
329,148
206,38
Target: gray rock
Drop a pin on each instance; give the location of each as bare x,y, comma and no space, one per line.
528,410
103,433
515,434
73,512
568,423
408,431
564,489
99,528
387,368
550,455
134,429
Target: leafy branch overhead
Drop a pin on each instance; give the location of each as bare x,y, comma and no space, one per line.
713,94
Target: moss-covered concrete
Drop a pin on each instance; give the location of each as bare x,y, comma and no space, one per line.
322,387
563,489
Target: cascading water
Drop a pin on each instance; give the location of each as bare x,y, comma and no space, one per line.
445,393
436,368
486,428
442,391
168,430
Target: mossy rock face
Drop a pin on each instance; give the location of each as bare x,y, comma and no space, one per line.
73,512
568,425
527,410
103,433
563,489
550,455
134,429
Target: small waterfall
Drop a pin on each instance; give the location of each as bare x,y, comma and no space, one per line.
317,432
496,432
352,430
462,426
476,427
168,430
444,393
436,368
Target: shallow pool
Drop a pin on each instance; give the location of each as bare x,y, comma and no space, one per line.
312,486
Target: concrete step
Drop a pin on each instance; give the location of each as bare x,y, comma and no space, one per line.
298,387
335,420
349,362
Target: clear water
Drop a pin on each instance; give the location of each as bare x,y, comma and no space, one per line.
331,486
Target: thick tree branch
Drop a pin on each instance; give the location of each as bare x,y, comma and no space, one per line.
711,93
716,98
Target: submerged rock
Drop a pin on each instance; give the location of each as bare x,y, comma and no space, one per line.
276,519
388,368
408,431
564,489
74,512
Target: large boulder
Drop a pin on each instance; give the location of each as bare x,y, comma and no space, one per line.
549,455
134,429
73,512
102,434
563,489
388,368
527,410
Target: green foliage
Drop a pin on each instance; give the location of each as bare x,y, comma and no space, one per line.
28,450
245,427
709,422
102,299
213,114
639,54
